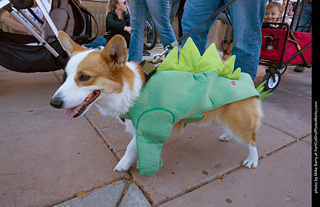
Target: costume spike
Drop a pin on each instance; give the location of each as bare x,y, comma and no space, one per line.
235,74
171,61
190,60
260,89
229,66
210,60
189,56
212,54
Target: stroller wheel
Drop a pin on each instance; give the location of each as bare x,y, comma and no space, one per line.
272,80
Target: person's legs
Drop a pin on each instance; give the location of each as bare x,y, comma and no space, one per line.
127,37
180,14
247,19
305,18
304,25
138,16
159,10
124,34
195,13
174,6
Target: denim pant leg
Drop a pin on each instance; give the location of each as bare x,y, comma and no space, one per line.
195,13
159,10
247,18
174,6
138,16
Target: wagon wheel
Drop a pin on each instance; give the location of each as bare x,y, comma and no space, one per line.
150,35
282,70
272,78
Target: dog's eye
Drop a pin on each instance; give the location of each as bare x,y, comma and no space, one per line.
84,77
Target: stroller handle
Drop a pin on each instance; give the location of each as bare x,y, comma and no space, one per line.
48,18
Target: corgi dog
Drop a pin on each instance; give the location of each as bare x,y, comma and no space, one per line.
105,79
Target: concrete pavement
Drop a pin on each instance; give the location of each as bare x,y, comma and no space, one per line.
47,160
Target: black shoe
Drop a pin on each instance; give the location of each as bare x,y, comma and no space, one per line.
145,52
298,68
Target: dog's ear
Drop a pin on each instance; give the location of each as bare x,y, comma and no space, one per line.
68,44
115,52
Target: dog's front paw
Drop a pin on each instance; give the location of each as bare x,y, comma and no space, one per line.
225,137
123,165
250,162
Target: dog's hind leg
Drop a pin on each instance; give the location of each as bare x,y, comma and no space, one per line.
228,134
248,136
242,118
246,132
131,153
252,159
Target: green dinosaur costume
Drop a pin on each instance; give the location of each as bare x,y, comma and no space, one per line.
183,87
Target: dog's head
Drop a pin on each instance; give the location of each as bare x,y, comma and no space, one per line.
89,74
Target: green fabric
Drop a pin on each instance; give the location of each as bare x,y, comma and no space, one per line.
190,60
263,94
172,95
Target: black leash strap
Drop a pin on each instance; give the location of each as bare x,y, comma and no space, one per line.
174,44
177,42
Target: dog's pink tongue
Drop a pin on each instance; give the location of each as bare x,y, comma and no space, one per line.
69,113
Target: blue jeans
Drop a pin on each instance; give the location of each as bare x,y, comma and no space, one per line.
305,18
247,18
174,6
159,10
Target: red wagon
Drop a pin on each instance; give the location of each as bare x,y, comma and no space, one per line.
283,47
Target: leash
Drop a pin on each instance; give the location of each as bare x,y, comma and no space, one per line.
168,48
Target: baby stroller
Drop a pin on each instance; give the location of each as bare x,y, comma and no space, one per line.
282,47
45,53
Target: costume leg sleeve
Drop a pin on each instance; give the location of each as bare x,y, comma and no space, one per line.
153,130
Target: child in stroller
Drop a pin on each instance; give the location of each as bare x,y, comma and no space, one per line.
47,55
34,14
274,14
281,46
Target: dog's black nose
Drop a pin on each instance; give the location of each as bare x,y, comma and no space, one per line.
56,102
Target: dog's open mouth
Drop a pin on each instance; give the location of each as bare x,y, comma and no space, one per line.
78,110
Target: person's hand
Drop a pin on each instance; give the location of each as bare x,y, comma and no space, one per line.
127,29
